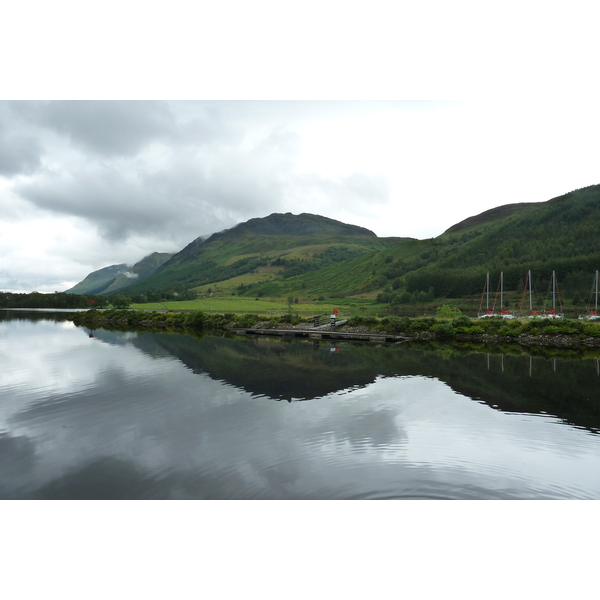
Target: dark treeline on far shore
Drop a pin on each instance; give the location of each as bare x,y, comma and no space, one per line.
68,300
56,300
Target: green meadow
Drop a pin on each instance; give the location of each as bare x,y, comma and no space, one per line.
239,305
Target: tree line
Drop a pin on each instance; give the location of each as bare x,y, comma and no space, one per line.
56,300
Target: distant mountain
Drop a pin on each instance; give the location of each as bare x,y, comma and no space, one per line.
97,281
116,277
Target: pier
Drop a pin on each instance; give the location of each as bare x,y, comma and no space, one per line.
324,332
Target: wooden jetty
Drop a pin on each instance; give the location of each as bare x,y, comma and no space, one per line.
324,332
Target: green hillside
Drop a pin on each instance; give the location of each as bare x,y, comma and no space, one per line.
273,247
558,235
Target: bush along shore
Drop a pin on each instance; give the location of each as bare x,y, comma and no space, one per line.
562,333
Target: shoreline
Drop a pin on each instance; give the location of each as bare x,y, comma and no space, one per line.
568,334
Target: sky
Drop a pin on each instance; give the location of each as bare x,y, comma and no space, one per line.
99,167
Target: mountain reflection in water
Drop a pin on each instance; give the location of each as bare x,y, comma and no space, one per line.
128,414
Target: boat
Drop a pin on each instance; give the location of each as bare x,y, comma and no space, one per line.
552,314
543,314
593,314
505,314
486,294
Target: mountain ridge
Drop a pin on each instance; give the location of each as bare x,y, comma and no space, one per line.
313,256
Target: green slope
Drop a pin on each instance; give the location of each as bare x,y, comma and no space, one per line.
257,245
560,234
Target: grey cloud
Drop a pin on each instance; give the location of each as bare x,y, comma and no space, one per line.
119,204
204,123
19,154
357,191
20,150
104,127
189,194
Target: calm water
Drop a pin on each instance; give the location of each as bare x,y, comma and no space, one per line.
159,415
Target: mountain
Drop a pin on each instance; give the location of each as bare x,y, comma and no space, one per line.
261,249
97,281
560,234
310,256
116,277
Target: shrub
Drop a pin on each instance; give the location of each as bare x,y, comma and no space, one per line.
443,329
509,330
552,330
471,330
424,324
195,319
447,312
396,324
246,320
360,320
591,330
462,321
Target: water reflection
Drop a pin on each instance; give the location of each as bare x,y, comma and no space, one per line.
158,415
289,370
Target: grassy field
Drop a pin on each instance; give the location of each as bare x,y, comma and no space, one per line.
246,305
347,307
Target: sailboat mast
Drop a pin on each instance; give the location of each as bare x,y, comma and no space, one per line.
501,289
487,297
596,306
553,290
530,303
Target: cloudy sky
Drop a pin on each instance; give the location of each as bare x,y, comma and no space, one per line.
88,183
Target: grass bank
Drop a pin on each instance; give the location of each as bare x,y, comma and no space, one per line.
260,306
